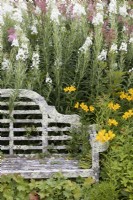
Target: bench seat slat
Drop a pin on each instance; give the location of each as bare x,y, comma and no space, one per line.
39,174
37,168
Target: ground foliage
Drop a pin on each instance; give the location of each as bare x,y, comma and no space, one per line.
56,188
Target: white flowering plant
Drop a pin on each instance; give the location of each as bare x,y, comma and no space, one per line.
58,43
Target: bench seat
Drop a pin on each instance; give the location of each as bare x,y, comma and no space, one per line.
43,168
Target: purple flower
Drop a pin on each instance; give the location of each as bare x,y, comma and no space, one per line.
91,10
11,34
41,4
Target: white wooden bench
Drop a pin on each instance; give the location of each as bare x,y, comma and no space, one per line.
28,126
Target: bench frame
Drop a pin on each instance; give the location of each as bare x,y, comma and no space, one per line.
49,115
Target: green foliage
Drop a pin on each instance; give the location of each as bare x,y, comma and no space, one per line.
79,146
117,164
103,191
13,188
56,188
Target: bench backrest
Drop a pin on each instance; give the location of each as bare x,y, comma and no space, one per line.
26,118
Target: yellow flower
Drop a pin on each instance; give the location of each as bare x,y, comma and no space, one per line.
70,89
130,91
123,95
110,105
84,107
129,98
107,137
76,105
128,114
66,89
113,106
101,136
104,136
112,122
111,135
116,106
91,108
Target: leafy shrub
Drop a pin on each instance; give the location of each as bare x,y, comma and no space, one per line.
103,191
118,162
56,188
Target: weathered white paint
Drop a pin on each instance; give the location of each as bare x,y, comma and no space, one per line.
29,167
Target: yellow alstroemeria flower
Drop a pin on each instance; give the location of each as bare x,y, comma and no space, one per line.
123,95
76,105
101,135
104,136
130,91
129,98
70,89
112,122
116,107
113,106
91,108
84,107
128,114
111,134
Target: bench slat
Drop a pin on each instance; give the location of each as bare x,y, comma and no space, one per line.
23,112
21,121
64,137
21,129
53,129
19,103
45,173
37,168
56,129
26,147
58,147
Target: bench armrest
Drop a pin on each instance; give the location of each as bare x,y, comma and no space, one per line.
97,147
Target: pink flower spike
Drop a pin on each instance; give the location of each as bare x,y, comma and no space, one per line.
11,34
11,31
41,4
62,8
91,10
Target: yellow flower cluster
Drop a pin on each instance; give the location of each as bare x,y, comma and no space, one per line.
104,136
84,107
112,122
127,95
128,114
70,89
113,106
